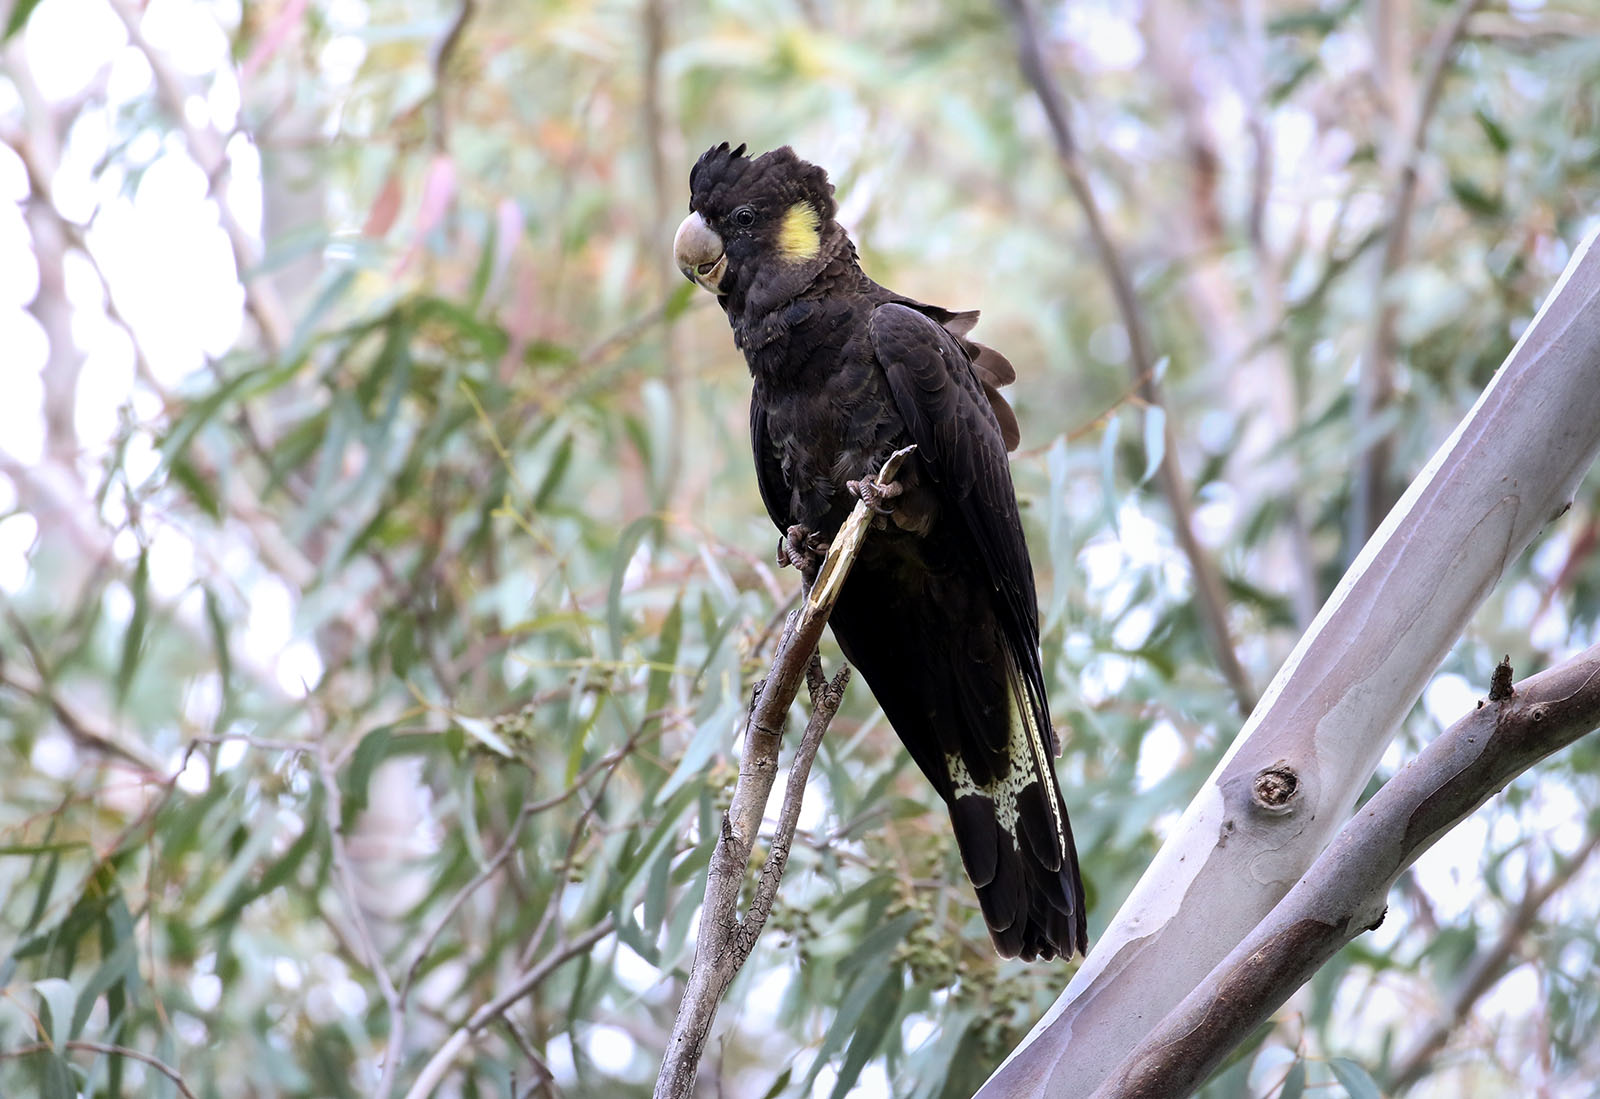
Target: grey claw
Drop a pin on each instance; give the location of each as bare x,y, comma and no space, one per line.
802,548
880,498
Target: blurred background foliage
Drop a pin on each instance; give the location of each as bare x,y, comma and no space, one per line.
385,576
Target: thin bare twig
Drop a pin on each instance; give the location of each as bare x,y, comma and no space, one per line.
420,953
724,940
209,150
542,1074
605,762
1371,496
826,696
579,831
445,1057
86,1046
344,876
36,685
259,743
1209,593
443,52
1485,969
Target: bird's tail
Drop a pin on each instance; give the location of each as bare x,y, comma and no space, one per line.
952,685
1014,836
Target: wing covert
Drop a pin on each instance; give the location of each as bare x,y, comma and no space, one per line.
960,443
769,472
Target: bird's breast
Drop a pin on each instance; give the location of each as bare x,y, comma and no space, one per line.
830,415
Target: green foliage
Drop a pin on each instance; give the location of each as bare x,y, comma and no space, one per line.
422,640
17,18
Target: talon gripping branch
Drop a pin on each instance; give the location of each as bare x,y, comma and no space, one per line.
939,613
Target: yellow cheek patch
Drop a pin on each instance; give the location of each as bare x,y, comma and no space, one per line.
800,237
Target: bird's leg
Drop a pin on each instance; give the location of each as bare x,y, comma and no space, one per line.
803,548
879,497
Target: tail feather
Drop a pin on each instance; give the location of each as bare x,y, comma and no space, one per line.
1038,824
1005,900
1017,845
973,818
950,683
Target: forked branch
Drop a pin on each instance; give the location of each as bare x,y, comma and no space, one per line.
1343,894
725,937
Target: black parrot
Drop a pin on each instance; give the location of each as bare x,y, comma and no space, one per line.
939,612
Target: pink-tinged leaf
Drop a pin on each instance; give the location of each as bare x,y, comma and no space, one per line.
380,219
272,41
508,232
519,320
438,188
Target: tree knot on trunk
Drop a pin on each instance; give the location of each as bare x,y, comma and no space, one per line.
1275,788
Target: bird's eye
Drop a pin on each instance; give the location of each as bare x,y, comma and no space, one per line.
744,217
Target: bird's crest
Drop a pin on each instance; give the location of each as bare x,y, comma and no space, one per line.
725,177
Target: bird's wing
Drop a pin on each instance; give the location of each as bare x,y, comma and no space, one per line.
959,440
989,715
993,369
769,472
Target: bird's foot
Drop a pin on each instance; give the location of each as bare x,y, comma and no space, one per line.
803,548
879,497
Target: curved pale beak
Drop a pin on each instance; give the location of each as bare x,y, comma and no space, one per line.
698,252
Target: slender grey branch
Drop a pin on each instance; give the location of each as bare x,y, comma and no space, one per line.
1141,362
725,940
535,976
580,831
1344,893
445,1056
1370,498
443,51
86,1046
1485,970
541,1071
372,958
103,736
490,868
826,698
604,763
209,150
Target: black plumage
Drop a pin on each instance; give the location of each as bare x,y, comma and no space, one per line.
939,613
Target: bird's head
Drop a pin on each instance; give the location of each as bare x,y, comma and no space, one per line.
757,225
